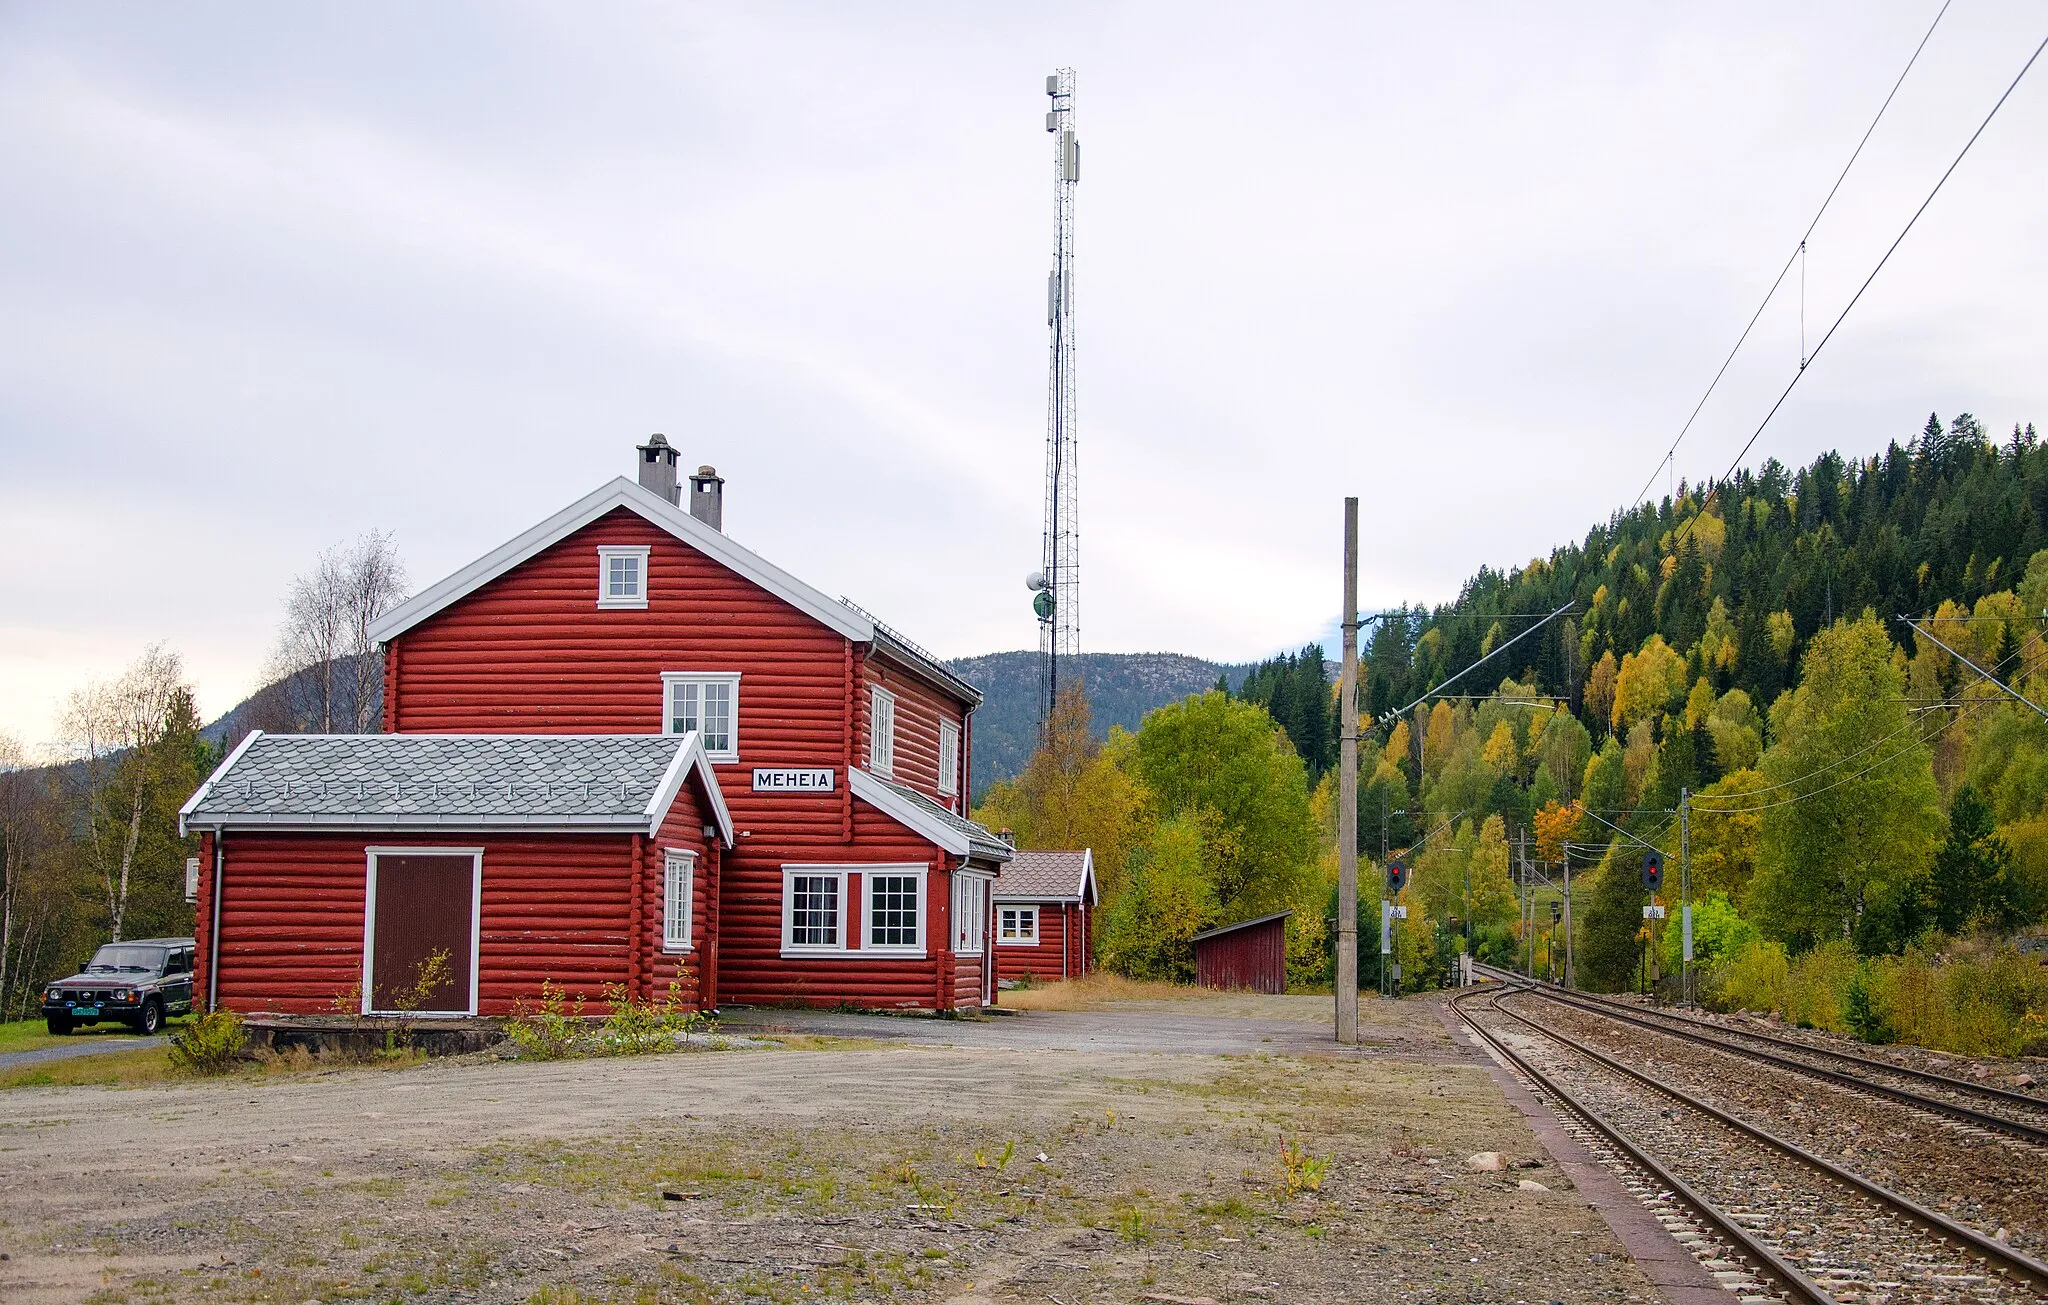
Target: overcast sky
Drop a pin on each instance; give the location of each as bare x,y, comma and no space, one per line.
272,276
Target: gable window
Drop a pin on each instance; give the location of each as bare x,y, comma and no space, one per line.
622,577
949,758
1017,925
813,909
679,877
708,702
882,731
970,914
895,910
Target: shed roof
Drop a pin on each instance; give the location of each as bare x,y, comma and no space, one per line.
836,614
1220,930
624,782
1048,877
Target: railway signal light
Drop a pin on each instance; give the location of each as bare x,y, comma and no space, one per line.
1397,877
1653,870
1556,912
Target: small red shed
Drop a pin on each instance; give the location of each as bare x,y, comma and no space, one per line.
1044,907
1250,956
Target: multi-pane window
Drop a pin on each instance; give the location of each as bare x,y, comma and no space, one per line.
949,757
679,874
1017,924
893,902
622,577
882,732
813,910
970,914
709,704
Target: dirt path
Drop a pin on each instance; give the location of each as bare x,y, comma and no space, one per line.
907,1172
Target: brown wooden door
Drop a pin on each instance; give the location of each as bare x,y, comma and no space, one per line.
425,906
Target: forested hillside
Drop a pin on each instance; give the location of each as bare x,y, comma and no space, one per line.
1862,817
1121,688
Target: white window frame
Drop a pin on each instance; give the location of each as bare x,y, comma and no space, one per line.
678,867
669,681
949,758
868,875
605,554
476,930
881,731
1022,911
790,874
970,899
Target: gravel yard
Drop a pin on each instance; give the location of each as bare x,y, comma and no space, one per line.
1179,1151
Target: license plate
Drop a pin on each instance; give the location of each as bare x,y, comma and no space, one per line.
85,1010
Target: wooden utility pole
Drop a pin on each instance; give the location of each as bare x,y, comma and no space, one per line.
1347,793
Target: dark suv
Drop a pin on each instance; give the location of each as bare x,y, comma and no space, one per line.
138,983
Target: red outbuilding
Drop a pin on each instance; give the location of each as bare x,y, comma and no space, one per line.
1250,956
838,747
1045,907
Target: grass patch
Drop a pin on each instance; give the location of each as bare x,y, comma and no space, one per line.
145,1064
33,1035
1093,990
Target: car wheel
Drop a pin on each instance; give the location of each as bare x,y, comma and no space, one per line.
58,1025
152,1020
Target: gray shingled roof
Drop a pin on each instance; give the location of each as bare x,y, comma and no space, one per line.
980,842
1041,876
461,780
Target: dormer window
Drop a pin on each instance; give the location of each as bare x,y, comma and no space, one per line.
622,577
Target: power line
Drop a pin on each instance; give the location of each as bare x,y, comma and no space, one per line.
1854,299
1396,714
1796,256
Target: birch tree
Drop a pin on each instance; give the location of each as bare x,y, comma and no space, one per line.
325,654
116,730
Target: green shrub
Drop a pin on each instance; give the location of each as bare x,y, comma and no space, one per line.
1861,1014
208,1044
635,1028
549,1031
1753,978
1817,984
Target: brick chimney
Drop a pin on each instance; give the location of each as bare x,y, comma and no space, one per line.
707,497
658,469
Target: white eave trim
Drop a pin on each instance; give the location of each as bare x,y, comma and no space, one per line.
321,822
623,493
689,756
227,764
906,813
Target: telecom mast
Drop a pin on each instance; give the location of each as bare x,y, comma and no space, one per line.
1058,583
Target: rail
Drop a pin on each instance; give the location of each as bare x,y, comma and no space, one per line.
1996,1253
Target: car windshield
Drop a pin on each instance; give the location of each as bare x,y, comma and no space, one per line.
115,959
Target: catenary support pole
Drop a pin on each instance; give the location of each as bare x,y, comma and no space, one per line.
1347,794
1570,976
1684,896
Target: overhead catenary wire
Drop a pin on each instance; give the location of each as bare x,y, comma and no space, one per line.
1798,255
1854,299
1399,712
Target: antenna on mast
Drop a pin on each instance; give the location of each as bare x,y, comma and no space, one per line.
1056,584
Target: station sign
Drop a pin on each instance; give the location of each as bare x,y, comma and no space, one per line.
793,779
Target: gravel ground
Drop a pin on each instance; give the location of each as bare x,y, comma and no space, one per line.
1255,1170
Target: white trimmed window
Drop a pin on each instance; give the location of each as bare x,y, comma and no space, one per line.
970,914
679,879
813,909
894,909
708,702
949,758
622,577
882,731
1017,926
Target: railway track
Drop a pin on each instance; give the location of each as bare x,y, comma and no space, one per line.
1770,1218
1982,1105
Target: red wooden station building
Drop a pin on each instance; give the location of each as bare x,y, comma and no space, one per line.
621,749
